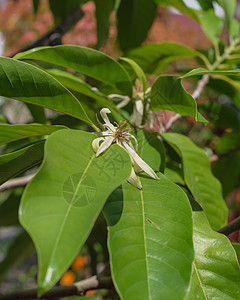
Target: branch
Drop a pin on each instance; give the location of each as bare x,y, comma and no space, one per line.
197,92
54,36
77,289
231,227
16,182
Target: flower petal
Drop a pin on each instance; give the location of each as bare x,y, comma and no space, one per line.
140,163
134,180
103,113
106,144
95,143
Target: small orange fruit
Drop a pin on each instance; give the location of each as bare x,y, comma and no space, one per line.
79,263
68,278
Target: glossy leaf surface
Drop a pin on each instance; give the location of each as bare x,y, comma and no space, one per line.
137,70
202,71
206,189
150,240
10,133
151,149
216,273
153,58
135,18
27,83
167,93
65,198
85,60
103,11
19,161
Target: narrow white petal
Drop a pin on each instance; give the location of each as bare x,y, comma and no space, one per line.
96,142
137,160
103,113
106,144
134,180
136,142
103,133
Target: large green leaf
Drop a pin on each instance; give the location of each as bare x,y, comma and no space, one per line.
62,8
198,176
230,141
103,11
211,24
167,93
216,273
27,83
151,149
85,60
76,84
10,133
135,18
153,58
150,240
19,161
9,209
20,248
180,5
229,7
221,115
227,170
202,71
137,70
206,4
65,198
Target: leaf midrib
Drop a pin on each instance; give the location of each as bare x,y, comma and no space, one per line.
68,210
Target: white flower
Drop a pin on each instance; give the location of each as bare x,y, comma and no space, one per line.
120,134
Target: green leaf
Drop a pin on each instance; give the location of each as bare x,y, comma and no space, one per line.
153,58
37,113
167,93
211,24
62,8
173,176
206,4
150,240
236,247
223,116
24,82
201,71
10,133
137,70
35,6
75,83
228,142
65,198
234,28
151,148
85,60
216,273
135,18
180,5
103,11
229,7
19,161
20,248
227,170
198,176
9,210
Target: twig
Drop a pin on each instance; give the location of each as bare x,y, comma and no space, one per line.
231,227
197,92
77,289
16,182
